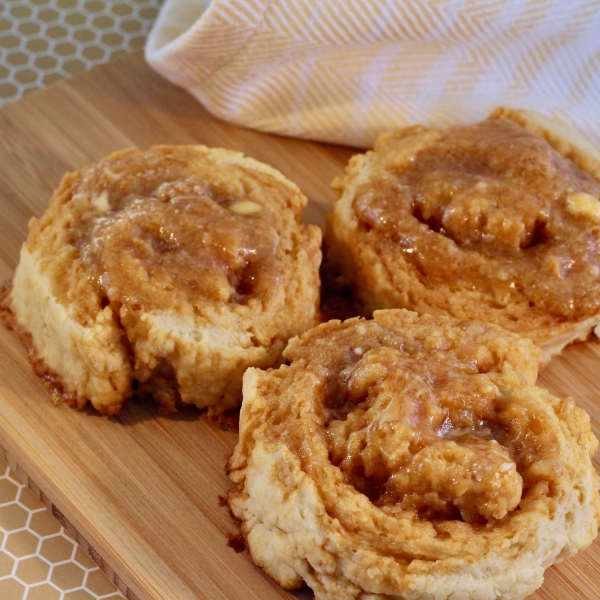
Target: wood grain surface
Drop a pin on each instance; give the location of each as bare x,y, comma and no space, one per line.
143,488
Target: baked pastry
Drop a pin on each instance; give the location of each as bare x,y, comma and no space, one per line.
497,221
411,457
169,272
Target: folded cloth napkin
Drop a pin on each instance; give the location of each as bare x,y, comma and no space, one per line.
343,71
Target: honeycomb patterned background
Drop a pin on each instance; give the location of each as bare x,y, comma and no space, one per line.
42,41
39,560
45,40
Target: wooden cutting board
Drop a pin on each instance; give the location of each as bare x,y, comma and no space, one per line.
143,489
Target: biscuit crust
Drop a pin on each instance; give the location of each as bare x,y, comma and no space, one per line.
497,221
166,272
411,456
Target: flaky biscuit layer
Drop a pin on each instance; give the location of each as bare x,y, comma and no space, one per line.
411,457
166,272
498,221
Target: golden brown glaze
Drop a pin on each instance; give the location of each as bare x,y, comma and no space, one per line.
490,206
168,272
163,231
411,456
484,221
417,437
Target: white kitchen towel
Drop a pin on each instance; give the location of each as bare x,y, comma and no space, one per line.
343,71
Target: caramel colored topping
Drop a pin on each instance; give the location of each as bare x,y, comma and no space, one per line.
415,418
166,273
487,207
417,434
162,230
192,247
430,453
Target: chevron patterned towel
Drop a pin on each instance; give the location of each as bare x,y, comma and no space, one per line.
342,71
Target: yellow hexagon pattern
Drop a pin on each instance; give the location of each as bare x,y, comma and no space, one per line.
42,41
39,560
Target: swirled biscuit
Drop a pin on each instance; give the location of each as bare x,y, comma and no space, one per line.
497,221
411,457
168,272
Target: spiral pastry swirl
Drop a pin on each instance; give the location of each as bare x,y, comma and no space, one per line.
411,457
166,272
497,221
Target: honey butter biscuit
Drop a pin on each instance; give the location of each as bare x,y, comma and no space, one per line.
411,457
166,272
497,221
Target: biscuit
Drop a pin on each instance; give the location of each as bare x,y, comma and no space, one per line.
166,272
497,221
411,457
